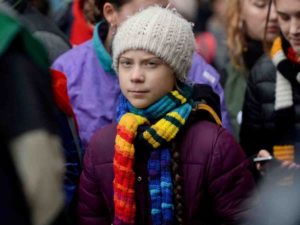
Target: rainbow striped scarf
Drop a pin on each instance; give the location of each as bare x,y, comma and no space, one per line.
172,111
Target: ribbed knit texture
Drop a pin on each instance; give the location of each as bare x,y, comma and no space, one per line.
161,187
160,31
283,89
172,111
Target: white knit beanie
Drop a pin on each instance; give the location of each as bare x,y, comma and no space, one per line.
162,32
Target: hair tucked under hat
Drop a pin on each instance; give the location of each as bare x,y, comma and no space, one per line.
160,31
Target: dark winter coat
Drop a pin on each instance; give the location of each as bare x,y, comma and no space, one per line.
235,83
42,28
26,107
216,180
262,127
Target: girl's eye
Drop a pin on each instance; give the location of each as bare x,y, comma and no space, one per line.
284,17
125,63
152,63
260,4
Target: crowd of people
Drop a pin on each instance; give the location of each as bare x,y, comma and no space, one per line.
150,112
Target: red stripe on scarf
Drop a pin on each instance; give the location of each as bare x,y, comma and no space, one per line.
125,134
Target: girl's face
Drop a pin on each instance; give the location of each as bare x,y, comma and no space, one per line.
130,8
254,14
289,20
144,78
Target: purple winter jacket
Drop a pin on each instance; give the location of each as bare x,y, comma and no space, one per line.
213,166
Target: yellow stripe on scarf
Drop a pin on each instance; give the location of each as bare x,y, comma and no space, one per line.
132,121
165,129
123,146
276,47
180,97
284,152
128,124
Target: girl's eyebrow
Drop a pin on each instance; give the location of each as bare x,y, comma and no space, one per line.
281,13
158,60
154,57
143,59
288,14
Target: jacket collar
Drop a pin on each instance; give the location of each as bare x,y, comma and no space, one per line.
103,56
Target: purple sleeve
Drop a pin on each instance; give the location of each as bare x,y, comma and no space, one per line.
230,182
203,73
58,64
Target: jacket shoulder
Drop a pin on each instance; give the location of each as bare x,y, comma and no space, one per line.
101,145
199,140
75,53
205,140
202,72
262,71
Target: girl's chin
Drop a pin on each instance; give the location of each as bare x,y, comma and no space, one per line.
139,103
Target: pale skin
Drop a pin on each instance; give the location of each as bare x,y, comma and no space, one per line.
254,14
289,20
144,78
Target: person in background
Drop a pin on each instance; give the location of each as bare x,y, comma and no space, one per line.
163,162
188,9
87,14
43,6
31,162
245,35
61,14
211,43
271,111
55,43
203,13
91,81
42,28
84,18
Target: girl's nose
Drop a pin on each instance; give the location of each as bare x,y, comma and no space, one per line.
273,14
137,74
295,26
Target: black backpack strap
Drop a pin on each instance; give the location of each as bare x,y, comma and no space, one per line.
206,104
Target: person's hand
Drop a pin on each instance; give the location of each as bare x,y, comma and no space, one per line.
290,165
261,166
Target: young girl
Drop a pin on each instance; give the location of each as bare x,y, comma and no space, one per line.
155,166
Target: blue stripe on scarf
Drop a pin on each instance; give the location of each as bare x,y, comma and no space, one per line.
161,188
